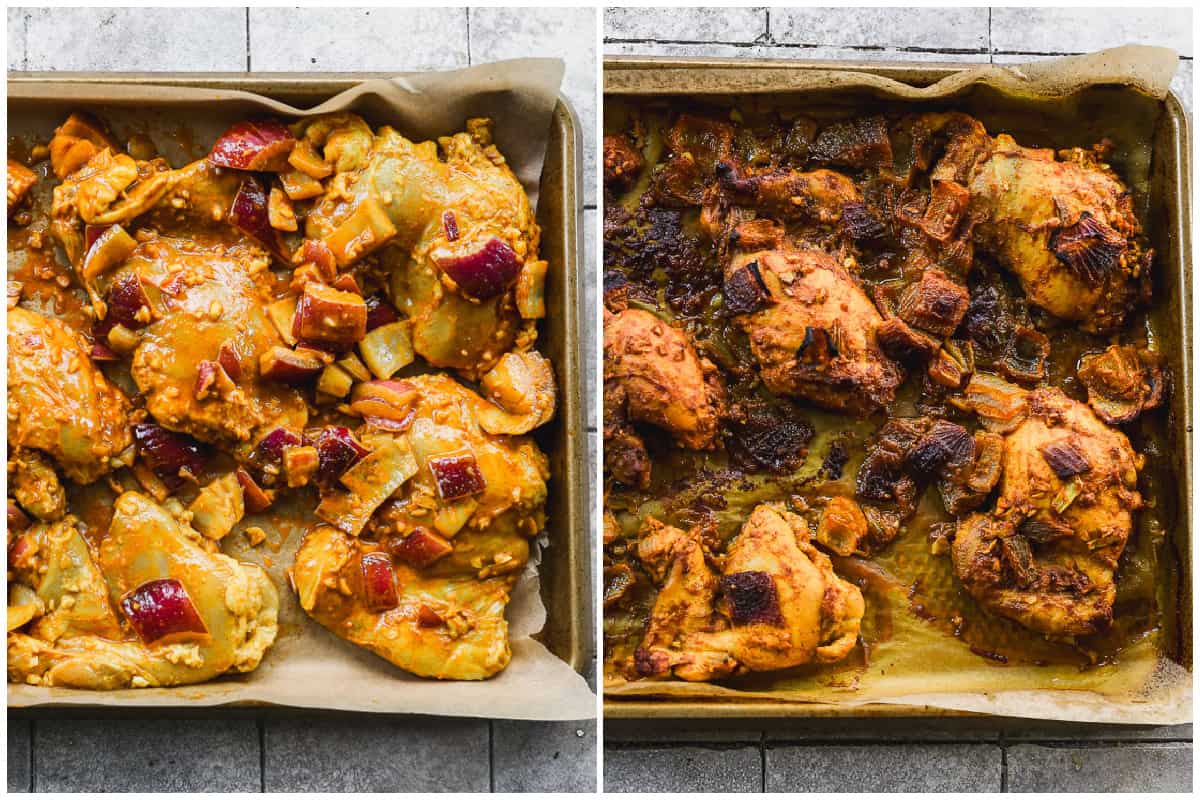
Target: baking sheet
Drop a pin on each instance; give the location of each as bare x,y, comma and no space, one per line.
1143,687
308,666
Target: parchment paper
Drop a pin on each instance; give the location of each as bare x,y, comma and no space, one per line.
308,666
923,666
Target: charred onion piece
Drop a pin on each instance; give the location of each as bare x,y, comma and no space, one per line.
1065,458
255,146
935,303
457,476
1090,249
379,582
161,609
1122,382
174,457
485,273
745,291
1025,356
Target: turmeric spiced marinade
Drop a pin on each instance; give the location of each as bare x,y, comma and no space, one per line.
856,363
319,314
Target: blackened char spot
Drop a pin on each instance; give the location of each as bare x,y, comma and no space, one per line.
771,438
745,291
752,598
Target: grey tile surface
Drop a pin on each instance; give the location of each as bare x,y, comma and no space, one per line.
130,39
666,731
357,39
18,755
540,757
1081,30
566,33
686,24
786,52
16,38
887,28
683,769
1122,768
1046,731
146,755
884,768
367,753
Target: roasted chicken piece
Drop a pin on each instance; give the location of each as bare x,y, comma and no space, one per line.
187,613
429,590
1047,554
818,196
653,375
200,306
812,329
20,179
458,234
1066,227
776,604
59,402
622,162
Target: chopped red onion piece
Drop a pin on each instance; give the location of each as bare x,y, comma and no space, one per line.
174,457
338,451
162,609
457,476
254,145
379,581
485,273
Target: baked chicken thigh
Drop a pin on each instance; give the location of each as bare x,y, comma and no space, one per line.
1046,555
775,603
812,329
653,375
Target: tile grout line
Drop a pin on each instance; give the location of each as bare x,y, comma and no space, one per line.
468,36
247,39
262,754
32,756
25,52
991,60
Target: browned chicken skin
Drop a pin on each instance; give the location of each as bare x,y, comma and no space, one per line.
776,602
1063,223
653,375
811,328
1046,555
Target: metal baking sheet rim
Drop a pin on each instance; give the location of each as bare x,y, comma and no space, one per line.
923,72
565,162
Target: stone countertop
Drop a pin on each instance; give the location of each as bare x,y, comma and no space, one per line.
241,750
907,754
